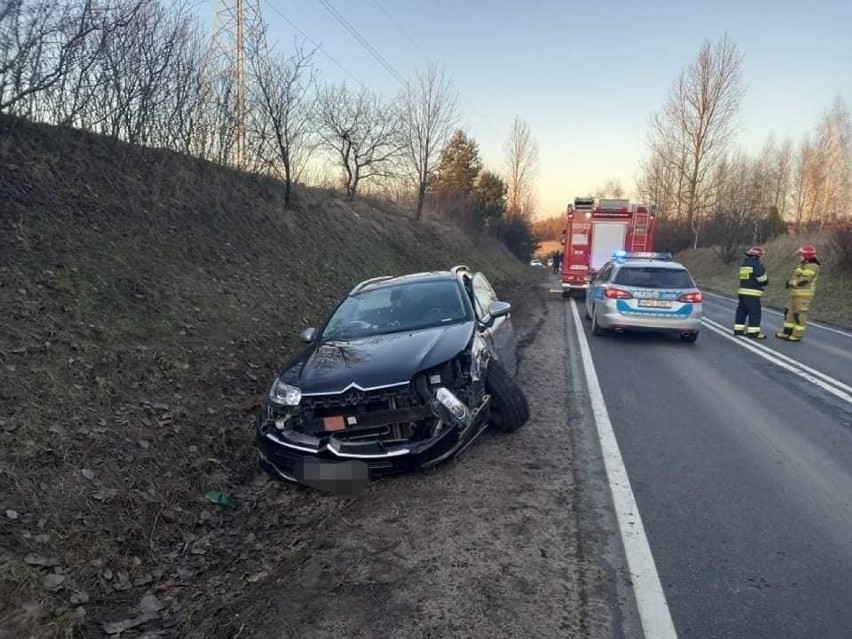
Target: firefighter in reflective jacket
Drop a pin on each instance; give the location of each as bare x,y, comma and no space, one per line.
802,288
753,279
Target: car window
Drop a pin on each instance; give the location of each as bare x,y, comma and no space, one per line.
654,277
605,273
483,295
402,307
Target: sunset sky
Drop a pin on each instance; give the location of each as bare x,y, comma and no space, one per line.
586,76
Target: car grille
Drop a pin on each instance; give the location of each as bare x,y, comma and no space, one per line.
356,402
381,399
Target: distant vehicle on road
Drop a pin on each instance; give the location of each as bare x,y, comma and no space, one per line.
536,264
644,291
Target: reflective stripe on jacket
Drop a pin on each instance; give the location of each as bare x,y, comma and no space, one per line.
753,277
804,280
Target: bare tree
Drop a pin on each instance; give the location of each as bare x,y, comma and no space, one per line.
663,176
40,41
834,140
137,69
611,188
782,176
522,159
182,107
361,131
659,181
284,87
822,175
695,127
427,117
740,212
807,173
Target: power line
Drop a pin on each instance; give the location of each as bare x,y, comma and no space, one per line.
405,33
363,41
318,46
401,29
372,50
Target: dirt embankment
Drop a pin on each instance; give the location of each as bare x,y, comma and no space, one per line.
146,300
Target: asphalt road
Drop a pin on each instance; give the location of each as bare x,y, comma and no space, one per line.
739,455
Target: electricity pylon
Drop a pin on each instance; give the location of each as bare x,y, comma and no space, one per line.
238,35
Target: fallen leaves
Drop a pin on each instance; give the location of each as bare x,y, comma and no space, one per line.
34,559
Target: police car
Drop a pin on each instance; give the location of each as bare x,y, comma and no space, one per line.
644,292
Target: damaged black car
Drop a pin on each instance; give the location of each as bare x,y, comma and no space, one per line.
406,373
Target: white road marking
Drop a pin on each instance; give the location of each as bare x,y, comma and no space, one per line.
821,380
773,311
826,378
650,598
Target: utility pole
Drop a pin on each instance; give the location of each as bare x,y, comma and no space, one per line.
240,47
238,33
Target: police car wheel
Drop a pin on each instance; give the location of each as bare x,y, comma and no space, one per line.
596,329
588,306
691,338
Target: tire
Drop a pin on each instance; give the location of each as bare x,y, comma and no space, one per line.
690,339
597,331
509,407
588,306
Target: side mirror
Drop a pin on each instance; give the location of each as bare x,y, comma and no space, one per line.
308,335
499,309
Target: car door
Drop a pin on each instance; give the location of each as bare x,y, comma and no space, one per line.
601,278
499,333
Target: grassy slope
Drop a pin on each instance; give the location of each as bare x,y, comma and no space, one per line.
833,301
146,301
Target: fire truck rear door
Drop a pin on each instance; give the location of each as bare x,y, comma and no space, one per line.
607,237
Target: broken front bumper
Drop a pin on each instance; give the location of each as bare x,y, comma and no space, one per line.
290,455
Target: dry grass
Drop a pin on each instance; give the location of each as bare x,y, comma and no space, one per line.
147,300
833,301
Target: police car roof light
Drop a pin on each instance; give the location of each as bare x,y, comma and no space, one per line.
642,255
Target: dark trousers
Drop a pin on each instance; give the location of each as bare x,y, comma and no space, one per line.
748,315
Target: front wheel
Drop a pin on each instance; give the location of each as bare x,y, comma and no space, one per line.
509,407
690,338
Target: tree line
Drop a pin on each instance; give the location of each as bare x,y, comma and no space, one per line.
142,71
717,194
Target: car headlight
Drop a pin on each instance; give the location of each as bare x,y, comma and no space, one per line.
284,394
454,405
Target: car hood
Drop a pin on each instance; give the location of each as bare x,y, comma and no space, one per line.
372,362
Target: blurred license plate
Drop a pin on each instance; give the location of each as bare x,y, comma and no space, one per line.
655,303
345,478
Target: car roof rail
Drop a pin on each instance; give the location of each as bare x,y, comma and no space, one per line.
460,267
372,280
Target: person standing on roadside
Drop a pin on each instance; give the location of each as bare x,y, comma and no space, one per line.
802,288
557,262
753,280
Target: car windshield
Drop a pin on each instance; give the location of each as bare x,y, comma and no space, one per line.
654,277
393,309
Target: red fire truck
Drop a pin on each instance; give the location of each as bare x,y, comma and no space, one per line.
592,233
